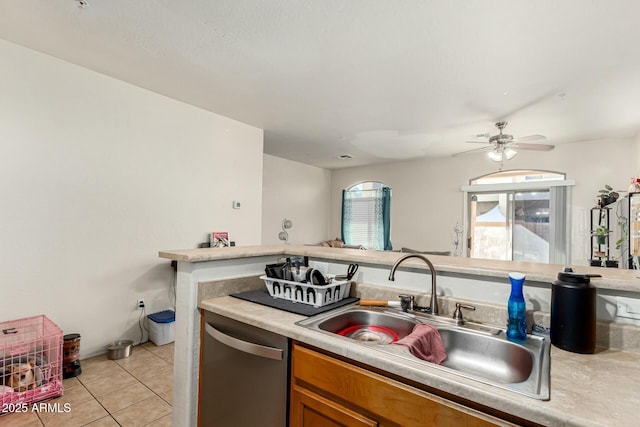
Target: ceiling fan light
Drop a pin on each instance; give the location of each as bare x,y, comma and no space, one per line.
510,153
495,155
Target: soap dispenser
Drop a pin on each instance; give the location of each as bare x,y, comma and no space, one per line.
516,308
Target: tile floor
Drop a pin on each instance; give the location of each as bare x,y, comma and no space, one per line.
136,391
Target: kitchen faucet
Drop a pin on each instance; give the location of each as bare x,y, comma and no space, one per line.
434,299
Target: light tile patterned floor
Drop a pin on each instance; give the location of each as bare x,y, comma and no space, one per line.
136,391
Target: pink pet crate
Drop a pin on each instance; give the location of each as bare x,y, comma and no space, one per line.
35,342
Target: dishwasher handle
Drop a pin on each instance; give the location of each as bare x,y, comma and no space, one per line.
244,346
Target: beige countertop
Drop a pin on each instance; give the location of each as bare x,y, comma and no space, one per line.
586,390
612,278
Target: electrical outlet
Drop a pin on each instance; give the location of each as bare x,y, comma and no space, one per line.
628,307
140,304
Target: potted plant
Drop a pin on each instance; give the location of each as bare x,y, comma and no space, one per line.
601,234
607,195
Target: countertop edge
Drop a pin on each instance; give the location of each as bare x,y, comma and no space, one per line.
612,279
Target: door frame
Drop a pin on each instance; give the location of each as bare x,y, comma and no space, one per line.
545,185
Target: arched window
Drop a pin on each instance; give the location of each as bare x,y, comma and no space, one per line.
366,215
519,215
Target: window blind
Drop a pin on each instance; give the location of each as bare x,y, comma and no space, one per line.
366,218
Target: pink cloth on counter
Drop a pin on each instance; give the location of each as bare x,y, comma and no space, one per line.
425,343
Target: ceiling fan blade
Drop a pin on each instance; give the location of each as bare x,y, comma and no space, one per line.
478,142
473,150
530,138
535,147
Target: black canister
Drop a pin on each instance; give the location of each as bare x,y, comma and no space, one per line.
573,312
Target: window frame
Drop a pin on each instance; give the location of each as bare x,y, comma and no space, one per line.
560,199
385,227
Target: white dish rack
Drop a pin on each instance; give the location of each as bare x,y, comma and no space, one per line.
307,293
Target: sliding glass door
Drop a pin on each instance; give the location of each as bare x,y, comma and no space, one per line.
510,225
531,233
519,215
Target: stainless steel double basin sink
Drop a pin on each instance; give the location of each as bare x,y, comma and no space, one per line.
478,352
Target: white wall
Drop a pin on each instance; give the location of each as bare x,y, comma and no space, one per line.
97,176
427,201
297,192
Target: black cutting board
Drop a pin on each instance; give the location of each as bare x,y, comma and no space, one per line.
261,296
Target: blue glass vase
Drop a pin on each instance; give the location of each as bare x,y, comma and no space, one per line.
516,307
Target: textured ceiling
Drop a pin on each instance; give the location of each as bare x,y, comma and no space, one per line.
379,80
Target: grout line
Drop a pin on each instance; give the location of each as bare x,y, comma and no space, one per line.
110,415
100,403
96,399
145,385
161,398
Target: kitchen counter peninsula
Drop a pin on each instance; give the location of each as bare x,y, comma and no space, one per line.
464,278
586,390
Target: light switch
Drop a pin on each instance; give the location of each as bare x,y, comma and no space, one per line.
628,307
236,205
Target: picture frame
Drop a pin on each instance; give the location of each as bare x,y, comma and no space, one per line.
219,239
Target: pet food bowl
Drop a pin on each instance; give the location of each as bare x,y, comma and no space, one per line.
119,349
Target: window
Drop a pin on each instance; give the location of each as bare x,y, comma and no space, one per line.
519,215
366,215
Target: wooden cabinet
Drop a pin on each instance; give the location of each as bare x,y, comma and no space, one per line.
327,392
312,410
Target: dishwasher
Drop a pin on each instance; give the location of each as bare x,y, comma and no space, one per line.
244,379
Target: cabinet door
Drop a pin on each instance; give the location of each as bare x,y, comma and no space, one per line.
311,410
342,387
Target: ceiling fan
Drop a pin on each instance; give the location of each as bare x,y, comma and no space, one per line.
503,146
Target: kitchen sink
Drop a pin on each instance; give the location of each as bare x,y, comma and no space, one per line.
369,327
475,351
492,358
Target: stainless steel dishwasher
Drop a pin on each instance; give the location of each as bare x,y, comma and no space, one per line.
245,375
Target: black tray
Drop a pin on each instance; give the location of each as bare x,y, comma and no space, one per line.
261,296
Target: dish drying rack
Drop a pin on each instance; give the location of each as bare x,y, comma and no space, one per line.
307,293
